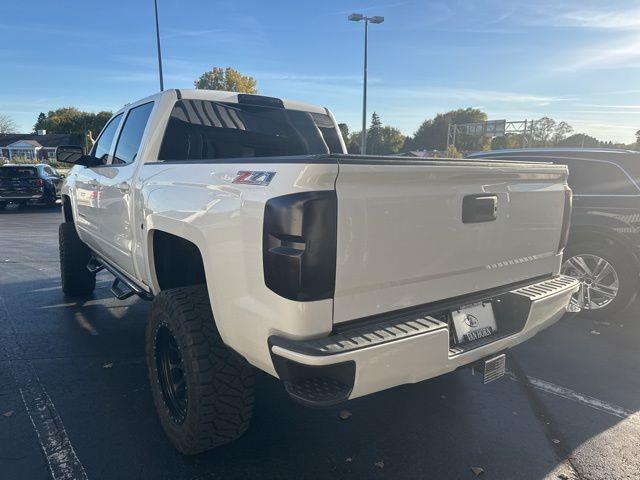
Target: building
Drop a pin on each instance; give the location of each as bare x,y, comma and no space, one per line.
39,146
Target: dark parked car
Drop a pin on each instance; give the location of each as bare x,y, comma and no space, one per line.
604,242
29,184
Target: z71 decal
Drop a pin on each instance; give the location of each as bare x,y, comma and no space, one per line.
254,178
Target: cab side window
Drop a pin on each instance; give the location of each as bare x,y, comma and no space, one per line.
131,134
598,178
102,146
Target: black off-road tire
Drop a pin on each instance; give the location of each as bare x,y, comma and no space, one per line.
3,205
218,382
625,269
77,281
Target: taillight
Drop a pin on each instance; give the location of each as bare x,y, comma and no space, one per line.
566,218
299,245
40,182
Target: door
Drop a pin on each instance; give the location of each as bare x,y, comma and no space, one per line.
87,188
115,218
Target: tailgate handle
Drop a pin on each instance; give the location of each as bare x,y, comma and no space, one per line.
479,208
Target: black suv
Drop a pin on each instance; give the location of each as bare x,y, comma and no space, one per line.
29,184
604,240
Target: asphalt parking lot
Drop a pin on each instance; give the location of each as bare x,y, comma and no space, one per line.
75,402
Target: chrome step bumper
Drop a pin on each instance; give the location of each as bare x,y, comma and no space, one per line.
408,347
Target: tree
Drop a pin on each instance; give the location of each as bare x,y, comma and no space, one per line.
7,125
452,152
344,131
374,136
353,145
563,129
71,120
638,139
226,79
543,130
432,134
580,140
381,140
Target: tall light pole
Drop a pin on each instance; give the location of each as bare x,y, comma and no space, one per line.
155,4
358,17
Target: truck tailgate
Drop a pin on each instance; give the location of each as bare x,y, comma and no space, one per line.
402,242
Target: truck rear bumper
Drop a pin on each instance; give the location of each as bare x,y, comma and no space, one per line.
409,347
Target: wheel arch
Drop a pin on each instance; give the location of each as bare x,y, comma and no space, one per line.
67,209
605,236
186,252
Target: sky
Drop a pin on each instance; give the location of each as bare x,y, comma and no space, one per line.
575,61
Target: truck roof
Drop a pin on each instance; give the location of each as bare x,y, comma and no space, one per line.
230,97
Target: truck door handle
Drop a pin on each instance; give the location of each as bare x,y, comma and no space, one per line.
123,187
479,208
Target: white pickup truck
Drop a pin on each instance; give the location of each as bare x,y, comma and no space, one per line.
262,245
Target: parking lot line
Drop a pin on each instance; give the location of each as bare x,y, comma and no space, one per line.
569,394
59,453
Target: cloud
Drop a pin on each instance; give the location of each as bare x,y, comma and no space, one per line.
621,54
470,95
608,19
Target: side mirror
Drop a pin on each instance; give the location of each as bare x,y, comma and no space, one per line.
75,155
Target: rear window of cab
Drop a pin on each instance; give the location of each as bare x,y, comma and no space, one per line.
202,130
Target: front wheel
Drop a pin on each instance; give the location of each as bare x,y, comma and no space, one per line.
203,391
608,280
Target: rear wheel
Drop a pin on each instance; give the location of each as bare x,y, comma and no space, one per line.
608,280
74,257
203,391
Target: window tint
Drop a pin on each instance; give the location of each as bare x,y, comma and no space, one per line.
18,172
103,144
199,129
131,134
598,178
49,171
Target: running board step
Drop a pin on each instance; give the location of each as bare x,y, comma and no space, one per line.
120,290
94,265
122,287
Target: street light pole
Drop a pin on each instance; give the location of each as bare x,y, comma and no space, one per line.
155,3
357,17
363,143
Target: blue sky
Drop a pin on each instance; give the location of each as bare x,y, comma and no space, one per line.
577,61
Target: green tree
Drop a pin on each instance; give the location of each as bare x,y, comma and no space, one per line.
581,140
374,136
226,79
562,131
508,140
344,131
638,139
543,130
381,139
452,152
432,134
353,145
71,120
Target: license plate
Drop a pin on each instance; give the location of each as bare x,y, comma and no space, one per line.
472,322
